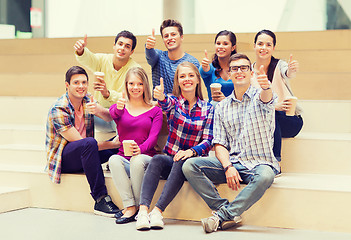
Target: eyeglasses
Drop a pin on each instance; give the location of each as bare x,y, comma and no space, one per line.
243,68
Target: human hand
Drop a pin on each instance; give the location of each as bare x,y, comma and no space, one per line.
217,95
262,79
206,62
233,178
182,155
92,106
101,86
151,40
293,66
159,91
283,106
80,45
121,102
135,149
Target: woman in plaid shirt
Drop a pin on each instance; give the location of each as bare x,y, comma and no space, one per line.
190,120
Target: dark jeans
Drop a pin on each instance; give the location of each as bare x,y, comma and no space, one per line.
83,156
285,127
162,166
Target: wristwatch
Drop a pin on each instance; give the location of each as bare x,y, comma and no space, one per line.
227,167
194,152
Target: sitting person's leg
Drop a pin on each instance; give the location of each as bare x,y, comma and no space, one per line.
83,156
138,166
104,126
290,126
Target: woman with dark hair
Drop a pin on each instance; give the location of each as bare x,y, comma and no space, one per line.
190,123
279,72
217,71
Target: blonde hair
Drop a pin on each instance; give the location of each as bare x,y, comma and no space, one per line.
176,88
141,74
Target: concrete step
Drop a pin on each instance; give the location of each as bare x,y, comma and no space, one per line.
293,201
22,134
326,116
14,198
317,153
307,153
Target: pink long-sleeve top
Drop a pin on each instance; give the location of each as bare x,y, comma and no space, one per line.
143,129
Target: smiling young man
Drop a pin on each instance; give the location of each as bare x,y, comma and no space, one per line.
164,63
243,140
115,66
70,143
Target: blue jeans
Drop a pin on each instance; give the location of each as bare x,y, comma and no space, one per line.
203,173
162,166
103,126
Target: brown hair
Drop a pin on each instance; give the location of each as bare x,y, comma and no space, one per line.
238,56
171,23
176,88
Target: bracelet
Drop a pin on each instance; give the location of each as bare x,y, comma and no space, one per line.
227,167
194,152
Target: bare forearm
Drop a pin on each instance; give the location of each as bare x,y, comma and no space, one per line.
222,155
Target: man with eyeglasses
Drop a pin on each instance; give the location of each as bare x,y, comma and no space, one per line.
243,140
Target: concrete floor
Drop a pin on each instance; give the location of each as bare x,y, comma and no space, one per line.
34,223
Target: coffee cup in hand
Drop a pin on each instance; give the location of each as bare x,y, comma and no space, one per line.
215,87
127,147
291,111
99,74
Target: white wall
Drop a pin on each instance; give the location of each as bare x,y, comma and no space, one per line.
74,18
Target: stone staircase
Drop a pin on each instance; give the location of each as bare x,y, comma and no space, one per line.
313,192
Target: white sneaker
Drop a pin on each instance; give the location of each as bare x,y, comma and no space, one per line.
143,221
156,221
210,224
232,223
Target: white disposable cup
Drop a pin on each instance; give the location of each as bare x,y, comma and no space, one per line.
126,147
99,74
293,101
215,87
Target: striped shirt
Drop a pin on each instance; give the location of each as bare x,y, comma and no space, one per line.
246,129
60,119
188,128
164,67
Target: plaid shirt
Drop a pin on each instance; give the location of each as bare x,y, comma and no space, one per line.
60,119
188,128
246,129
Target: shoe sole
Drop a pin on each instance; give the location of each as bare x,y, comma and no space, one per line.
110,215
229,224
143,228
157,227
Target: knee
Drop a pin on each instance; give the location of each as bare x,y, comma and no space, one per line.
90,144
157,160
115,162
139,161
265,176
189,167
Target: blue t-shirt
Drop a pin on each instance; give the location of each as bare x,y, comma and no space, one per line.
210,77
164,67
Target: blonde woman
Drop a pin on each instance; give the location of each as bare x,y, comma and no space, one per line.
190,120
137,119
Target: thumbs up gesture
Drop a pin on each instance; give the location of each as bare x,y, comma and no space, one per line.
80,45
205,62
293,67
262,79
92,106
121,102
159,91
151,40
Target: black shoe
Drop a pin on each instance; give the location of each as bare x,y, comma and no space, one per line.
105,207
119,214
123,220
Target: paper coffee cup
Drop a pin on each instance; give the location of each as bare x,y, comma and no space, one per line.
99,74
293,101
126,147
215,87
